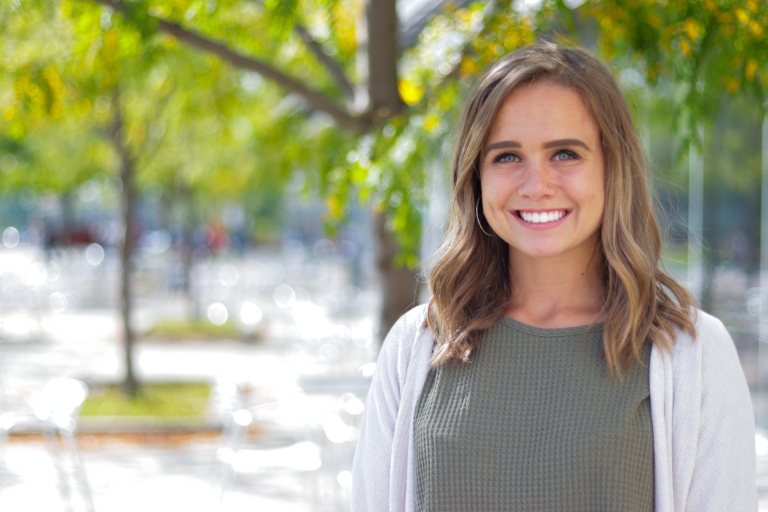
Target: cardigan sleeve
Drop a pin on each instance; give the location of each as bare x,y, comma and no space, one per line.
724,472
372,463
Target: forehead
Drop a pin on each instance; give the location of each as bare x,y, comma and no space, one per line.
543,109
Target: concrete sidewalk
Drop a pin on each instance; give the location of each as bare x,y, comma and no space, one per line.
86,345
161,477
130,478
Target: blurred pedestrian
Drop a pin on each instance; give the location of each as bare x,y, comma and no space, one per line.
557,366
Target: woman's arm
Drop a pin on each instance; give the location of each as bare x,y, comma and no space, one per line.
724,473
371,467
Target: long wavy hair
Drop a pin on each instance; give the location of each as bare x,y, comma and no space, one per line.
471,278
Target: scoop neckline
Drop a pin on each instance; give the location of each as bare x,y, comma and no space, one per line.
552,332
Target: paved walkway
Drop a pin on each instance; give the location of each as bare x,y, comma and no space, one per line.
131,477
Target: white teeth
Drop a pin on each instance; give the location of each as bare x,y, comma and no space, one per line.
540,218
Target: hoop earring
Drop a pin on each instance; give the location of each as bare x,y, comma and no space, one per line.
477,216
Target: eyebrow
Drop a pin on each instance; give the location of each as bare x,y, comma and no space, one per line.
564,142
503,144
546,145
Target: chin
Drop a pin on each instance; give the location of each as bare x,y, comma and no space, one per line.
538,252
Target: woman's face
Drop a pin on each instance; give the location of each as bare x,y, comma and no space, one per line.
542,175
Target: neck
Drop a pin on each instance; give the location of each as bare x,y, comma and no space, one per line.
563,291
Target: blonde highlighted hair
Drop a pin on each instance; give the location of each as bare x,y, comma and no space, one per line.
471,281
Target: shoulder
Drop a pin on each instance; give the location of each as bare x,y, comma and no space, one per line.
710,354
406,341
410,322
406,330
720,362
711,331
711,338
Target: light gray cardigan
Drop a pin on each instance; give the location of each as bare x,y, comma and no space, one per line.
701,413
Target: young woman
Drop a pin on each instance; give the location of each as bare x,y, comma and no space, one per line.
557,366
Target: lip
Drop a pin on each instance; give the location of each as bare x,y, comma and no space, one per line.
542,226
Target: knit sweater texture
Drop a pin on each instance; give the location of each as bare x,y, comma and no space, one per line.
535,422
701,416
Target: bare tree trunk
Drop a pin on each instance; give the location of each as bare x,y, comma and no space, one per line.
67,218
399,286
383,53
398,283
188,226
128,197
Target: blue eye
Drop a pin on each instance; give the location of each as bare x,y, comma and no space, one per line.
565,155
506,158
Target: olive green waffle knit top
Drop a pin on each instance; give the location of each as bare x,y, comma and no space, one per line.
534,423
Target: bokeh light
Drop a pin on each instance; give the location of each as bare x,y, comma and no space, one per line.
11,237
250,313
217,313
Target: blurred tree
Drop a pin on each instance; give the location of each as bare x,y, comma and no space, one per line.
338,64
104,99
709,49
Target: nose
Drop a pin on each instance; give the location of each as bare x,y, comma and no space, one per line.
536,181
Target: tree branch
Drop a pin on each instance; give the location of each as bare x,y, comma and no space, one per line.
142,157
333,67
315,99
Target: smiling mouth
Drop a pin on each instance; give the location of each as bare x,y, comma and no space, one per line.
541,217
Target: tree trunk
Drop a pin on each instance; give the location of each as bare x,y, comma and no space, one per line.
188,226
128,198
383,53
67,218
398,283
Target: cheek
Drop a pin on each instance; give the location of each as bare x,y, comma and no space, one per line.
496,186
495,197
598,206
590,198
488,188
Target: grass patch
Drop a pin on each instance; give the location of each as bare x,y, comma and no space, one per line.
156,399
192,329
